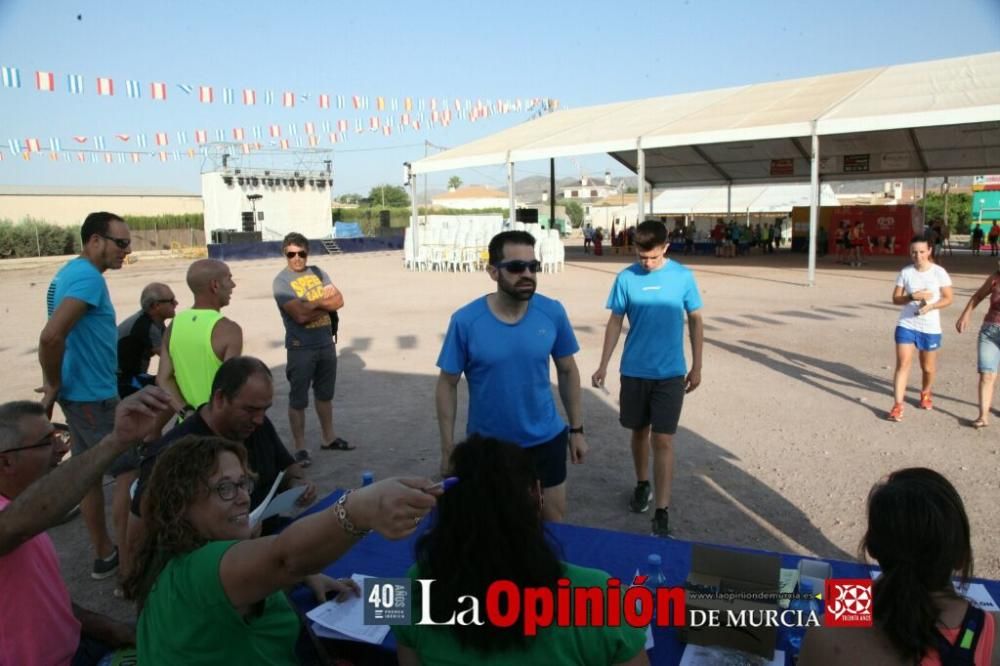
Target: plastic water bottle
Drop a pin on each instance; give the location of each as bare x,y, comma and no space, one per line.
804,607
367,478
652,569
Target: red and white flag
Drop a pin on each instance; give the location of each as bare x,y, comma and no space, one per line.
237,134
404,119
163,156
158,90
200,136
333,138
284,144
81,157
324,101
313,140
275,130
105,86
416,124
32,145
310,128
249,96
45,81
373,123
386,130
122,137
356,101
161,139
108,158
287,99
341,125
135,157
205,94
80,139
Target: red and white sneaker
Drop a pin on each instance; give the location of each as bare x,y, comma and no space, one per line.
925,400
896,413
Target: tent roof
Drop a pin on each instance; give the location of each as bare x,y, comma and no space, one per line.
937,117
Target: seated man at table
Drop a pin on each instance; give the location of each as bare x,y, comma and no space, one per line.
242,392
489,527
39,623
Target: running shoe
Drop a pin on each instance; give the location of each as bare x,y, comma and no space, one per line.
896,413
105,567
639,502
925,400
661,523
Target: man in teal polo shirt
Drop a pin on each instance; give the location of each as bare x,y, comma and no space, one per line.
79,358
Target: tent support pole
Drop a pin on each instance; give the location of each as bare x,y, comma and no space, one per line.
640,190
510,190
552,192
813,205
413,208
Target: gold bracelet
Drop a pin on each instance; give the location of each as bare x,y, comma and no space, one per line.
340,508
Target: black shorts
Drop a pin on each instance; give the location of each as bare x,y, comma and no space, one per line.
549,459
316,367
655,402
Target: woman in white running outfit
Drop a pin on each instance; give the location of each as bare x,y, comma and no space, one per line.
923,289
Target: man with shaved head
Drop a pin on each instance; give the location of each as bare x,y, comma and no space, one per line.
140,337
200,339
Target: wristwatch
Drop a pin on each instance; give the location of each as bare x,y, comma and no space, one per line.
576,431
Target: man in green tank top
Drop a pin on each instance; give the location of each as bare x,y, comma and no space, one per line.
200,339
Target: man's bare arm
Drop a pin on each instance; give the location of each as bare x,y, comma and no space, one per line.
227,340
446,403
165,374
52,346
47,501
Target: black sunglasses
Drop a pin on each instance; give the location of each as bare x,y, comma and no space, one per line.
122,243
172,301
519,266
59,431
302,254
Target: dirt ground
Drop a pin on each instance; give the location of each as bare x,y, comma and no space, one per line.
776,450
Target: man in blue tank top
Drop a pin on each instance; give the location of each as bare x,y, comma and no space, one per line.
503,342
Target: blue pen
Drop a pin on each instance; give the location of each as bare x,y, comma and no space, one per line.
444,484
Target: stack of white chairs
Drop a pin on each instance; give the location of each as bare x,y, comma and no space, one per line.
451,243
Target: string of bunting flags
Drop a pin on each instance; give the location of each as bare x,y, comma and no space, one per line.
48,81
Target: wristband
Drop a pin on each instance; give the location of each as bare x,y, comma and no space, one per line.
340,508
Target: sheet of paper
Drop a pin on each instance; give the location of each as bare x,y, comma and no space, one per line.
974,592
789,578
283,503
255,515
347,618
702,655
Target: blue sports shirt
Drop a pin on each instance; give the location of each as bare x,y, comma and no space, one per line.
90,362
507,368
655,304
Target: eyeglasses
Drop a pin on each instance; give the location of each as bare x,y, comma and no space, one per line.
519,266
227,490
59,432
122,243
172,301
302,254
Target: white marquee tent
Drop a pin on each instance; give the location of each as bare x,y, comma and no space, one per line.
939,117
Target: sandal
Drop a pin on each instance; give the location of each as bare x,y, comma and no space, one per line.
338,445
302,458
979,423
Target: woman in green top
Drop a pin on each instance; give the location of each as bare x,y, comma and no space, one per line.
207,592
489,527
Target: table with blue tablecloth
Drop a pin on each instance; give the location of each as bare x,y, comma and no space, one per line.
618,553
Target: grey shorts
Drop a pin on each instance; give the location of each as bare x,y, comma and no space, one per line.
89,423
316,367
651,401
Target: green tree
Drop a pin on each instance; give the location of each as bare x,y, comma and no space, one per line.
389,196
349,198
574,211
959,210
454,183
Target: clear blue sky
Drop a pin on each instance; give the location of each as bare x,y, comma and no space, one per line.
580,52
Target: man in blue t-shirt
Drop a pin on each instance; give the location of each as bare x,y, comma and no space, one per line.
503,342
77,350
655,294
